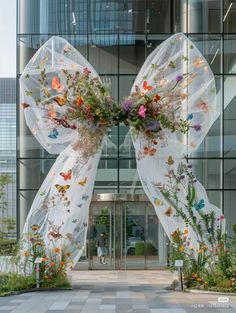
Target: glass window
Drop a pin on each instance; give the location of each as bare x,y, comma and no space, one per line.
158,16
229,117
33,172
125,85
208,172
129,179
210,46
230,174
25,201
53,16
204,16
131,54
103,54
229,210
229,54
126,147
107,176
110,144
229,17
215,197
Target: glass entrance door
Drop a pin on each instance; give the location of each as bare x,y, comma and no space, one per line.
129,235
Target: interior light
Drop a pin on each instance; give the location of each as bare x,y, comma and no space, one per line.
226,14
73,19
130,10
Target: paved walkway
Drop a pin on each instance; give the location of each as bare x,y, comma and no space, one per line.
117,292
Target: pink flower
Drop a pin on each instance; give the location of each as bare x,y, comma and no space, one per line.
221,218
141,111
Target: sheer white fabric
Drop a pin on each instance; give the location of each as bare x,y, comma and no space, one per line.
199,103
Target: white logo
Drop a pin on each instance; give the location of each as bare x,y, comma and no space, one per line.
223,299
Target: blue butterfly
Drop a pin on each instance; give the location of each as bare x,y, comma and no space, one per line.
53,134
200,205
190,117
85,198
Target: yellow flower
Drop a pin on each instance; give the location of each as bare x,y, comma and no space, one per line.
56,250
200,251
26,253
181,248
35,227
39,243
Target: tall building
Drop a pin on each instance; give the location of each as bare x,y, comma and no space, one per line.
116,37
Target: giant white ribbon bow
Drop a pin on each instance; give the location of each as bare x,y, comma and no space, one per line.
60,208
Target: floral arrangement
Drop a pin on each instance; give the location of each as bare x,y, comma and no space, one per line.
55,261
77,100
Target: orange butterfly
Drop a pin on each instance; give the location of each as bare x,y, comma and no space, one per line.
83,182
56,84
169,211
67,175
61,100
203,106
149,151
145,86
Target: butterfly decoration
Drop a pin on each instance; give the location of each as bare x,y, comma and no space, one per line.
67,49
203,106
149,151
53,134
83,182
25,105
85,197
79,205
190,117
158,202
64,123
169,212
61,99
42,193
66,175
75,220
85,224
56,84
200,205
62,188
146,87
170,160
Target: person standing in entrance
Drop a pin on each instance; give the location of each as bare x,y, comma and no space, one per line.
101,249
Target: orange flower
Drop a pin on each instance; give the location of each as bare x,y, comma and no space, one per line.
156,97
68,254
56,250
52,264
79,101
56,84
198,62
181,248
203,106
62,263
39,243
145,86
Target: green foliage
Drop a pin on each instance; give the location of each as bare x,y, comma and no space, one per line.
5,179
15,282
139,248
7,227
8,246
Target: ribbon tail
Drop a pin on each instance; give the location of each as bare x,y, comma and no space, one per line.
59,213
179,200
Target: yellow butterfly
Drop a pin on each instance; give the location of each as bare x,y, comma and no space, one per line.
170,160
83,182
61,100
62,189
157,202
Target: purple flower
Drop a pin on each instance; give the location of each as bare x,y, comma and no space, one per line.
190,166
179,78
197,127
153,126
127,104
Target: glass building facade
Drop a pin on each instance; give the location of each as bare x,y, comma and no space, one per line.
116,37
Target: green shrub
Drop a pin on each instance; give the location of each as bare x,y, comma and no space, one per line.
15,282
8,246
139,248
